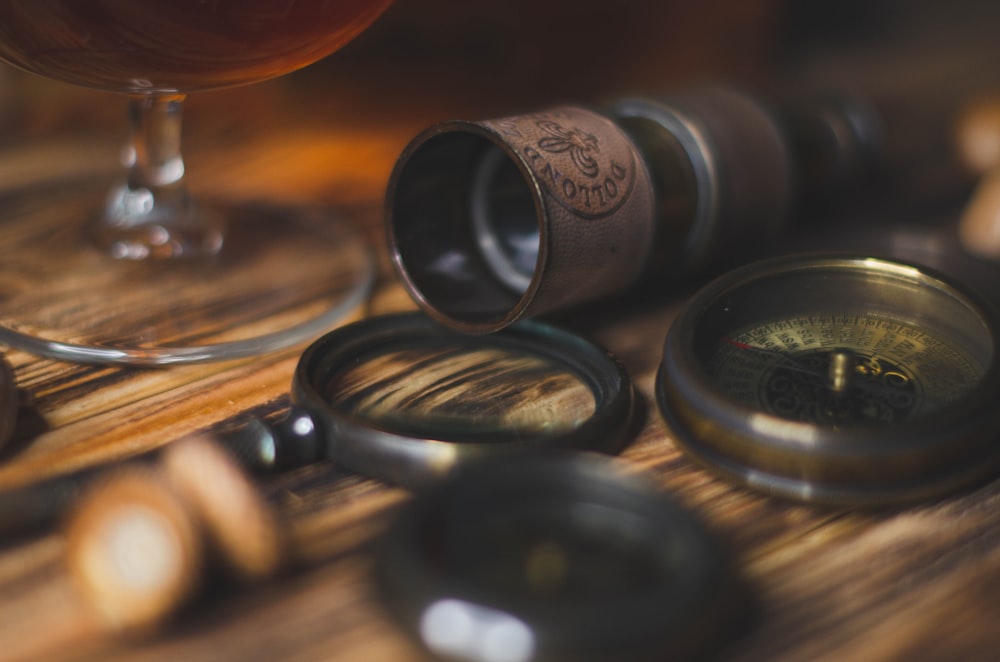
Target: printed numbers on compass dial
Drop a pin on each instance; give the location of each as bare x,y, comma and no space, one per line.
843,369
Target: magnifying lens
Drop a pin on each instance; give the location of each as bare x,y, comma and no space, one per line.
405,400
549,557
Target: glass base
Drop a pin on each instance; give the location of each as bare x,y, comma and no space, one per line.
283,276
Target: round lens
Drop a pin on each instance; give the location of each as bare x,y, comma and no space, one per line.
454,386
404,399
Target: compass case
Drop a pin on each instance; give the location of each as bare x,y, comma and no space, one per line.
840,380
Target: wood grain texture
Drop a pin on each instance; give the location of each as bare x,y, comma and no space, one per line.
916,584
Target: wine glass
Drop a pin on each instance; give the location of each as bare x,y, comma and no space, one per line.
156,277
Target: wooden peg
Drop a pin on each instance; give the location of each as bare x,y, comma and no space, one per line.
133,549
977,135
241,528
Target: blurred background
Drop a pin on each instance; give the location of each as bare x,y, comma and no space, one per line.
543,51
427,60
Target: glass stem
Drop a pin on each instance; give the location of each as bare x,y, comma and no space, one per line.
154,153
151,214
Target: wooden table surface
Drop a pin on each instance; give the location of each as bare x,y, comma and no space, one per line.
915,583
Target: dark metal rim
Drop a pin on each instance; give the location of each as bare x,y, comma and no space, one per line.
697,146
430,305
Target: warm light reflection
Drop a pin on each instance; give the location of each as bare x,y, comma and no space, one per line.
444,458
902,270
792,431
143,549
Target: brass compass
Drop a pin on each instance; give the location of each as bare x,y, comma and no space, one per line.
842,380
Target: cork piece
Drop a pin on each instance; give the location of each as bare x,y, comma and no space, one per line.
977,135
240,526
979,224
133,549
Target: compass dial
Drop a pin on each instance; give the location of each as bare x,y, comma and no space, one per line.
843,369
845,380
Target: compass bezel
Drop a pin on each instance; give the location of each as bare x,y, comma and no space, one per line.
921,458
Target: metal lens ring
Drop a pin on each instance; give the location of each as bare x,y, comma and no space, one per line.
406,400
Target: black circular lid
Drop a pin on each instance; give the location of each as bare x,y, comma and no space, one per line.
558,556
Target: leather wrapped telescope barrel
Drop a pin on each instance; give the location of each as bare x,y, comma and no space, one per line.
492,221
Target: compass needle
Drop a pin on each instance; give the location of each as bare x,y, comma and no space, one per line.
841,370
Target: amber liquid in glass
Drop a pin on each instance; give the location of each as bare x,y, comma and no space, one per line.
176,45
